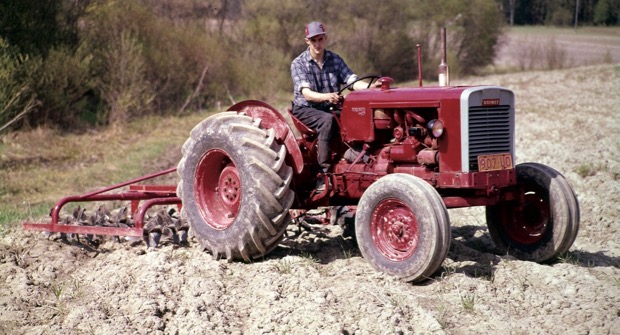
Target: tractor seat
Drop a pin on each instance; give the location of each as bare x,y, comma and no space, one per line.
299,129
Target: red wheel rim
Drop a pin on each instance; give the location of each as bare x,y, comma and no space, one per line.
394,229
527,222
217,189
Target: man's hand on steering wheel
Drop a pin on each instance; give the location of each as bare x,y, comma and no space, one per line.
371,84
334,98
375,84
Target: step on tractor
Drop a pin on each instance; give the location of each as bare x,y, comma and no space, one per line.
404,155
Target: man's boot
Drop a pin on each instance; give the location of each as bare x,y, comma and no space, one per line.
324,161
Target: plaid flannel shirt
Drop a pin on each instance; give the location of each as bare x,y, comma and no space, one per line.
307,73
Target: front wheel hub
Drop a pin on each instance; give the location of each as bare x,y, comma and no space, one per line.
394,229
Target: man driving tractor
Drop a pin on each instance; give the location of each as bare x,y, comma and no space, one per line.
318,75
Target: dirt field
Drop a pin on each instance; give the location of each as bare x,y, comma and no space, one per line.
528,48
317,282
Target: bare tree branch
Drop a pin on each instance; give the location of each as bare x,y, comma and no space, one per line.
196,91
32,103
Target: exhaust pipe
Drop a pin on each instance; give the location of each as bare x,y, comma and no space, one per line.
419,51
444,71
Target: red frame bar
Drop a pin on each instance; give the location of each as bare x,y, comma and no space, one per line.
153,194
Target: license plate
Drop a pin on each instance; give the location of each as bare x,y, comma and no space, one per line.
494,162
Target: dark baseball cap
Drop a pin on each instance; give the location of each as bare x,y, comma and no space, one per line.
314,28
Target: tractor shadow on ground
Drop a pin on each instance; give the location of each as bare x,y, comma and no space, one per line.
473,253
325,242
590,260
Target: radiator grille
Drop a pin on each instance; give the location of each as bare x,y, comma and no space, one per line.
489,132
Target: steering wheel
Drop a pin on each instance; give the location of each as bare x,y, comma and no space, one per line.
371,77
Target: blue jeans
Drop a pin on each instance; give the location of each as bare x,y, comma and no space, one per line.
322,121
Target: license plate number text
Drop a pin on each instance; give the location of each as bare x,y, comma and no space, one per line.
494,162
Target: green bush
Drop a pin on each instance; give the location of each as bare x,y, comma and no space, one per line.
474,32
62,82
9,86
16,96
606,12
123,85
561,17
147,63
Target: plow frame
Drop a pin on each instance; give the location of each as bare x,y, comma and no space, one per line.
149,195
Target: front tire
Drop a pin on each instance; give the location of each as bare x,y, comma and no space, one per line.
402,227
543,224
235,186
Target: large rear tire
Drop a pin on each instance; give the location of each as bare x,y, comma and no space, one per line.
402,227
543,223
235,186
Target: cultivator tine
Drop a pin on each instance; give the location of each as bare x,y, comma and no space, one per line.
80,219
121,217
152,232
182,230
102,215
165,223
63,236
178,226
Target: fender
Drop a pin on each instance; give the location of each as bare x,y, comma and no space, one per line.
272,118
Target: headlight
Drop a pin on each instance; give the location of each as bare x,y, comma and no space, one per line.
435,128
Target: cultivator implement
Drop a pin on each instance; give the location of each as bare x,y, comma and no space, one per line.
132,221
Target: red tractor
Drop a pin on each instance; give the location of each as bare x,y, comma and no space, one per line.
404,155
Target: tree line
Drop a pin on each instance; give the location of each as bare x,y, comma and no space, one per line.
82,63
561,12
